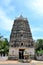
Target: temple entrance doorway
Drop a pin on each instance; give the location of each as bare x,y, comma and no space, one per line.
21,52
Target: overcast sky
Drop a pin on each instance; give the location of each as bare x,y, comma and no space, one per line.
31,9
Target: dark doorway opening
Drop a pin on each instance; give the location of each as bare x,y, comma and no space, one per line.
21,52
21,44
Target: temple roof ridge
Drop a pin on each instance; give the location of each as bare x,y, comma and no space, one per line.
21,17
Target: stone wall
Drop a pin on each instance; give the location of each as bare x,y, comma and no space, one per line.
15,51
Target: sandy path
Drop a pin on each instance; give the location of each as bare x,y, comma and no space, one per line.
9,62
37,62
16,62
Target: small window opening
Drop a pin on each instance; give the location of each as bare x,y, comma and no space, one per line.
21,35
21,44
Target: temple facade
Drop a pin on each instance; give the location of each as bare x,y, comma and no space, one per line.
21,40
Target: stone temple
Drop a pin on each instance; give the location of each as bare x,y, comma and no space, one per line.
21,40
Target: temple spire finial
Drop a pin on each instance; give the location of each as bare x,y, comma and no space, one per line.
21,16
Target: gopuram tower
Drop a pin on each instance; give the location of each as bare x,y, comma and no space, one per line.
20,39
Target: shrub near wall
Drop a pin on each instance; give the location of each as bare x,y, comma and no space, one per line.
39,49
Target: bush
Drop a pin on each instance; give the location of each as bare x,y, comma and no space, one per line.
39,52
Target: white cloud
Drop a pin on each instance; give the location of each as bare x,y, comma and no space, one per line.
37,29
37,33
37,37
38,6
5,22
35,5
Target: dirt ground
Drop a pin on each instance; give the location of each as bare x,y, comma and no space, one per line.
37,62
16,62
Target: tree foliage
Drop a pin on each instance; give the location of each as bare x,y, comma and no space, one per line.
39,46
4,46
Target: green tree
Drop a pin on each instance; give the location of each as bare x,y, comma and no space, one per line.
4,46
39,46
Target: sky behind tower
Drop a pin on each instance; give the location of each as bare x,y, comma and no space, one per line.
31,9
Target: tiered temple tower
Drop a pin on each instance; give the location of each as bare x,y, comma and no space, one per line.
21,37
